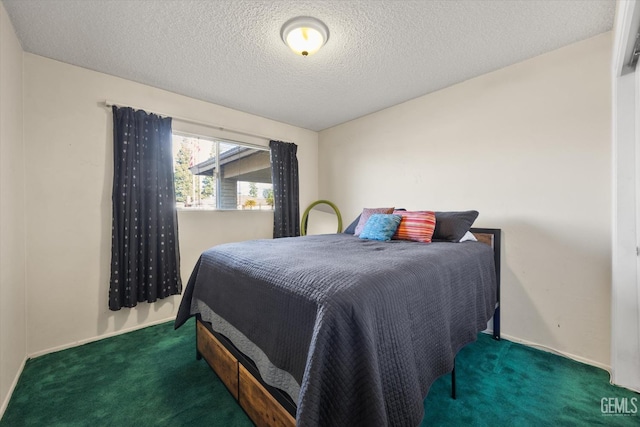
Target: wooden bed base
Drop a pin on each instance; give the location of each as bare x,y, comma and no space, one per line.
236,374
266,405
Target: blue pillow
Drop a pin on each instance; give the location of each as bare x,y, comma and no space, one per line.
351,229
381,227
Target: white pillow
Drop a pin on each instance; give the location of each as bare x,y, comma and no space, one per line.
468,236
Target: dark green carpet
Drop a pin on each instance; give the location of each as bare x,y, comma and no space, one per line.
151,378
500,383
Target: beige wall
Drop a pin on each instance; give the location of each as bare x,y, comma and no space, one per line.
528,146
68,139
12,225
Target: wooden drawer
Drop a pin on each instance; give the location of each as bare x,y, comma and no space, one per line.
219,358
261,407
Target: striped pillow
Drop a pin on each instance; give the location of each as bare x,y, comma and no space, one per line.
417,226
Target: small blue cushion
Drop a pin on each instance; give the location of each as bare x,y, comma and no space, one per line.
381,227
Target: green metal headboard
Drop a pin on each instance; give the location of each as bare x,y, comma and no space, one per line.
305,216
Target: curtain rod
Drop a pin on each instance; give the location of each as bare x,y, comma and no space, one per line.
109,104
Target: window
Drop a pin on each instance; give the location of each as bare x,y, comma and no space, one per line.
219,174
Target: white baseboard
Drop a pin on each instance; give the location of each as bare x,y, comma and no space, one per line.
97,338
6,400
563,354
557,352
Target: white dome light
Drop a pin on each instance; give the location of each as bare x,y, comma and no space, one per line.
304,35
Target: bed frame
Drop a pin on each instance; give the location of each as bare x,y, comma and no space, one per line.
268,406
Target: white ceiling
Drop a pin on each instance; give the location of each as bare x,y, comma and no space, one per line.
379,53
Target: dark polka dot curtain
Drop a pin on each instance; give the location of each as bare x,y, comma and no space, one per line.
145,259
284,176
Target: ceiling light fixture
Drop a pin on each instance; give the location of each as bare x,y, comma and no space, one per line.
304,35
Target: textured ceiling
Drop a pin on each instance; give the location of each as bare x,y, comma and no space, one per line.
379,53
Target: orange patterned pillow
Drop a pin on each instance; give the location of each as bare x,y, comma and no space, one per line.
417,226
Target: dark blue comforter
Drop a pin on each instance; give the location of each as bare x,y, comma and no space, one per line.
364,327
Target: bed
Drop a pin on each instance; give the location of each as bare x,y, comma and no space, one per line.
336,330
